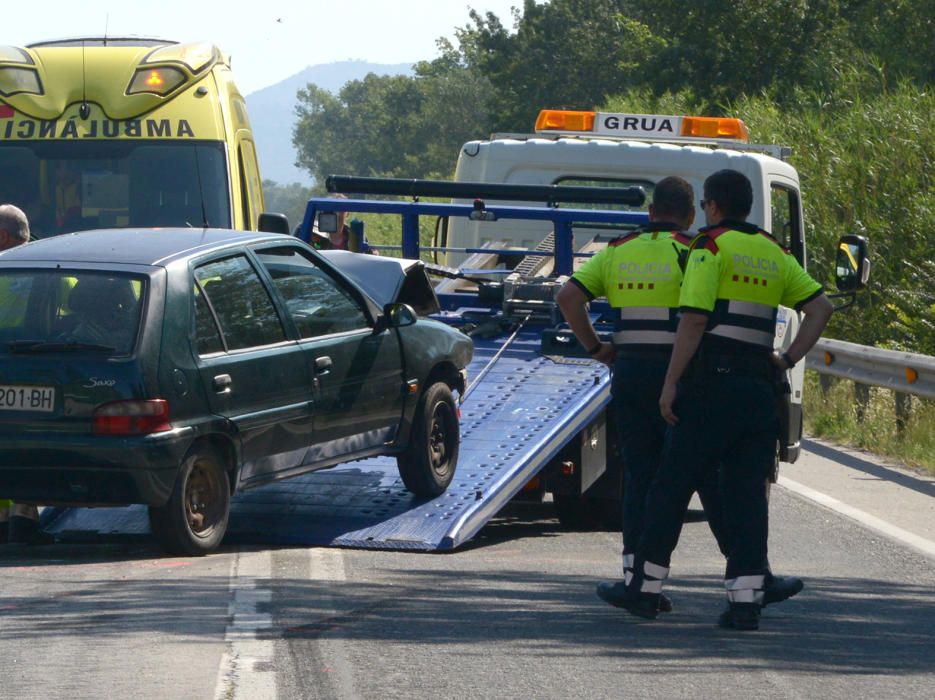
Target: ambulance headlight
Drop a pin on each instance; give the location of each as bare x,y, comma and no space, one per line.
14,54
15,81
157,81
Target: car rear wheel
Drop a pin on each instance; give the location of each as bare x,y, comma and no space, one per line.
428,464
194,520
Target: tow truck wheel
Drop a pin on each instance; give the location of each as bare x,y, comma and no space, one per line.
584,514
194,520
428,464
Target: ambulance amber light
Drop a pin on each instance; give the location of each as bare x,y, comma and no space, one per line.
715,128
197,57
16,81
561,120
159,81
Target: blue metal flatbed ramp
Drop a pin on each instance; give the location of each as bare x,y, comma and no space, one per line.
513,421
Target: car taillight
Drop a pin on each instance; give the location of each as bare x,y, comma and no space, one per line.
132,417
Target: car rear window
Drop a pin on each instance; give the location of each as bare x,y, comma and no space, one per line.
69,311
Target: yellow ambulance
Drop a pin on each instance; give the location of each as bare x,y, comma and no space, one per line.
123,132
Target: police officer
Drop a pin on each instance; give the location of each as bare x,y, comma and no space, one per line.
19,523
640,275
718,396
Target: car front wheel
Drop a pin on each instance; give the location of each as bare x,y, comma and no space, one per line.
194,520
428,464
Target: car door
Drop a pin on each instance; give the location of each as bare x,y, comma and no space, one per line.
357,373
253,374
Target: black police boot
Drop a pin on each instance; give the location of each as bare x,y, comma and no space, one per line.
779,588
26,531
740,616
636,603
665,603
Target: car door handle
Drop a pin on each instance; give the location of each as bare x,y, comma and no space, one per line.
322,365
222,383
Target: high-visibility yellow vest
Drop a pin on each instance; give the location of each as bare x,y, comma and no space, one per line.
14,293
738,275
639,274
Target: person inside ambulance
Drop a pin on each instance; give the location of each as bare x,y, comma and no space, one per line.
67,193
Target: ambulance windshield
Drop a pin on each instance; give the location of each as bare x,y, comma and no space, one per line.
65,186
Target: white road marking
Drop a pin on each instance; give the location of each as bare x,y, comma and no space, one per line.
327,564
247,670
910,539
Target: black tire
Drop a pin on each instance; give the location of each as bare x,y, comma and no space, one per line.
428,464
583,514
194,520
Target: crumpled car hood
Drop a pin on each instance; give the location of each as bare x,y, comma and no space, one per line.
388,280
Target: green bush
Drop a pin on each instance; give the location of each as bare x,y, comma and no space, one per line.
834,415
866,167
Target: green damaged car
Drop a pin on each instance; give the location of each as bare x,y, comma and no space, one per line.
175,367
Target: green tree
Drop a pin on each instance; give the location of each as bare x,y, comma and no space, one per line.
392,126
287,199
564,54
865,167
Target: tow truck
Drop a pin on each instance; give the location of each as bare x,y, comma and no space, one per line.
534,418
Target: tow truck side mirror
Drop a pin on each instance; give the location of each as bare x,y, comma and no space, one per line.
327,222
851,266
440,237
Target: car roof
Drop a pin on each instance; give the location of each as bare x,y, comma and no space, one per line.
134,245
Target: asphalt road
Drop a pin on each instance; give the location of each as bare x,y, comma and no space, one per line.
512,615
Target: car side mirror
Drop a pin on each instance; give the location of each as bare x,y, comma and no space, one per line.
400,315
395,316
273,223
851,266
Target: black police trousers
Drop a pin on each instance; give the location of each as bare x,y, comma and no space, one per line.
727,423
637,383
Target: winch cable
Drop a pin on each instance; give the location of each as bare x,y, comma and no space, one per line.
493,360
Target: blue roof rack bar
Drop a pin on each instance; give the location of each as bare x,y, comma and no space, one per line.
563,220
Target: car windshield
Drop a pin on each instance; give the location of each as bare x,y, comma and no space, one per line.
64,186
49,311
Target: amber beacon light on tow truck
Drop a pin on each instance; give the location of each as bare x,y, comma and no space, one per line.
640,126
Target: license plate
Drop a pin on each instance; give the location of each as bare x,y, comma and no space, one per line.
27,398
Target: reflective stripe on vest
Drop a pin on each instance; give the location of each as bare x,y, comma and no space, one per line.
746,321
644,338
645,325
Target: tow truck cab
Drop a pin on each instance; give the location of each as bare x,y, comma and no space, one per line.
628,150
117,132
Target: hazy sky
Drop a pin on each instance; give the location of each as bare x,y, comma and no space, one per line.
267,40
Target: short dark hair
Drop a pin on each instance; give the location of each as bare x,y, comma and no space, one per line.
732,191
673,198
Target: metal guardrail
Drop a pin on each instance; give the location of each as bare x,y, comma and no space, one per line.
903,372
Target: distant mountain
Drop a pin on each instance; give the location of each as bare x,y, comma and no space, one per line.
272,112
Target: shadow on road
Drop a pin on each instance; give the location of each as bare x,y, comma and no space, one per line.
920,483
834,626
